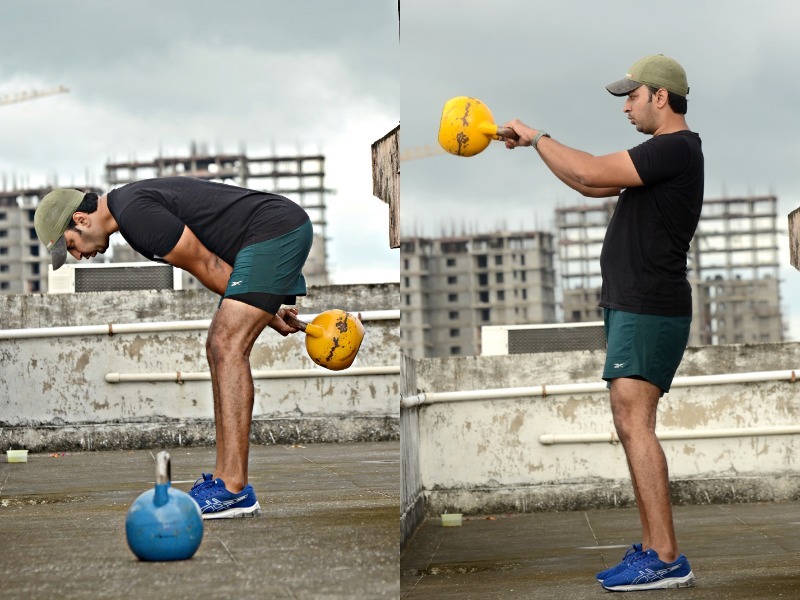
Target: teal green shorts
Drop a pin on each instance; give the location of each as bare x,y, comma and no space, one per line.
270,273
646,347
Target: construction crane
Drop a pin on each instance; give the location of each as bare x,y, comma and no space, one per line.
32,95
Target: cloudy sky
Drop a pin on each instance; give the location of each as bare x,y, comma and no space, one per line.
547,63
148,77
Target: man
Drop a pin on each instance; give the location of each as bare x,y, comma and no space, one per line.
645,294
245,245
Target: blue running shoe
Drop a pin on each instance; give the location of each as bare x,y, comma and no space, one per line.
648,572
216,502
631,555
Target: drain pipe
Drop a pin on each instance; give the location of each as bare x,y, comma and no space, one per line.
588,388
180,377
157,327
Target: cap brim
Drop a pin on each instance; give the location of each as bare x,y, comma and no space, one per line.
623,87
58,253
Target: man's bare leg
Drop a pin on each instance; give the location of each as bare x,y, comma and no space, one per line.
633,404
640,506
234,329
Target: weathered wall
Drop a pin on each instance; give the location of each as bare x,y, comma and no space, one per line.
485,456
412,494
54,394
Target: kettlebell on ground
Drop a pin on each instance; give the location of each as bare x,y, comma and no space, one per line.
163,523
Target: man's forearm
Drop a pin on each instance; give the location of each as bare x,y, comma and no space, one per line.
557,156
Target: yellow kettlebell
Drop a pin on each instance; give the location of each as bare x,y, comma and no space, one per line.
467,127
332,338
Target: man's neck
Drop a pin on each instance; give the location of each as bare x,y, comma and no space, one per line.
672,124
108,221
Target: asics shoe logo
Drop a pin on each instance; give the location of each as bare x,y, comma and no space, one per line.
215,505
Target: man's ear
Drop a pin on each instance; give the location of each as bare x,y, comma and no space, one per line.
82,219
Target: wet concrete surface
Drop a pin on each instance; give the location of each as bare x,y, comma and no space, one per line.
329,526
737,551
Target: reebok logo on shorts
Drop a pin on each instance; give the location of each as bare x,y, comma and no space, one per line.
619,365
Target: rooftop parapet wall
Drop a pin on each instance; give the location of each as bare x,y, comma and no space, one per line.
496,454
60,392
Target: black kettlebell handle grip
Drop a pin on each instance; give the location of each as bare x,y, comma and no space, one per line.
293,321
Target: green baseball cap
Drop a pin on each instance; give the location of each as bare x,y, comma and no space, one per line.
51,219
657,71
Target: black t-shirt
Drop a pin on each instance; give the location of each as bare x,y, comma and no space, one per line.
152,213
643,261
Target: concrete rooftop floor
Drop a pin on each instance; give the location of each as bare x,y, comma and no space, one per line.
329,527
739,551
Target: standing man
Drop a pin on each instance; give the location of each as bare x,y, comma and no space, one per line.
246,246
646,297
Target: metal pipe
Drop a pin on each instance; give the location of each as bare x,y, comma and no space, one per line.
159,326
180,377
548,439
588,388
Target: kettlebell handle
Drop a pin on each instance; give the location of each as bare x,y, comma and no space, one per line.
293,321
163,468
307,328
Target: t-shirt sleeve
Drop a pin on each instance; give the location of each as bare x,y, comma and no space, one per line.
660,158
150,228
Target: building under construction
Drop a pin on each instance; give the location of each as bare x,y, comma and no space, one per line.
298,177
24,261
733,268
453,286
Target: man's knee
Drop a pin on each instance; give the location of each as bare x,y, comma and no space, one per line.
633,407
223,341
624,421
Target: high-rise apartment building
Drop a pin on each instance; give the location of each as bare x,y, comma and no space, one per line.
450,287
298,177
733,268
24,261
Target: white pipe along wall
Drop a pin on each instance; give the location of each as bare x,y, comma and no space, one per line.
71,385
163,326
578,388
730,428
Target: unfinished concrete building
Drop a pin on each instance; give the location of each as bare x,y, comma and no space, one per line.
581,230
733,268
298,177
451,287
23,259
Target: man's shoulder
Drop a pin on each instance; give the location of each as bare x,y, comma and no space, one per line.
681,142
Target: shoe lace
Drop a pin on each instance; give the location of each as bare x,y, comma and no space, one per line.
205,480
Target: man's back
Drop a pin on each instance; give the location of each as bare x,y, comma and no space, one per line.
152,213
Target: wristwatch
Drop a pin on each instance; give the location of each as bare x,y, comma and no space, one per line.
539,136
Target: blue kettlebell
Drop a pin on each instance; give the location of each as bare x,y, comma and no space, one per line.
164,523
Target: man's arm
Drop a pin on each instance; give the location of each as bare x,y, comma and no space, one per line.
594,176
191,255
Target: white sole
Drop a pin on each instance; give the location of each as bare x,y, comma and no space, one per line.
233,513
670,583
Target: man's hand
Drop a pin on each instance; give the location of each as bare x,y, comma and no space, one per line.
525,133
278,324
